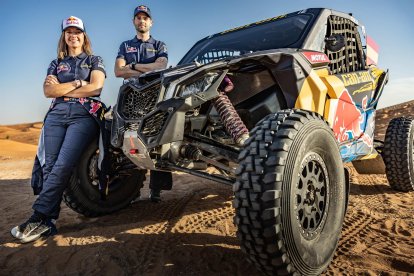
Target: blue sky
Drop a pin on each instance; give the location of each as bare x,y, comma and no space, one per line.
30,31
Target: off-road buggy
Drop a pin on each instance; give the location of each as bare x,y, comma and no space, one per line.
303,103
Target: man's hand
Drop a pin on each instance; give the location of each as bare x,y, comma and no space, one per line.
160,63
123,70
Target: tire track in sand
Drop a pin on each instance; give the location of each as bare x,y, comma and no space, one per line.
157,240
374,229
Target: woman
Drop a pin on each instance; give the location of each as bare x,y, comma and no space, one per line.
75,80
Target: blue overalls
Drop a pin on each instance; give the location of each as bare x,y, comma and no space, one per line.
69,127
138,51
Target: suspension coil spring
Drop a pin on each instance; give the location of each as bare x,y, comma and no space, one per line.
231,120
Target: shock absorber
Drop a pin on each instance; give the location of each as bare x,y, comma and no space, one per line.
228,114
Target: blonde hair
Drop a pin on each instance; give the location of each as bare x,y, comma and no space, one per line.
62,50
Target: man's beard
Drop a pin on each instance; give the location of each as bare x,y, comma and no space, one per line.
142,30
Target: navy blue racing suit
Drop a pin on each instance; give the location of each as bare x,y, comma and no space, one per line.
69,127
138,51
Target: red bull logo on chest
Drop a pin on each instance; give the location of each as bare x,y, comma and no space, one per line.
63,67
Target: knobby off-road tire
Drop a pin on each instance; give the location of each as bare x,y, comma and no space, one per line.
398,154
83,196
290,194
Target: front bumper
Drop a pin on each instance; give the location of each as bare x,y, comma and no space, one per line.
134,148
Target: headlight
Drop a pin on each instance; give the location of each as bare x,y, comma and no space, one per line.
199,85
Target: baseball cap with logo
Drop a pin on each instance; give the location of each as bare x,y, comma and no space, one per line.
73,21
144,9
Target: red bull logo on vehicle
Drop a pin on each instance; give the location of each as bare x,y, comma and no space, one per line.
349,121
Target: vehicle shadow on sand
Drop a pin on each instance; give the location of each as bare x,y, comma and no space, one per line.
372,189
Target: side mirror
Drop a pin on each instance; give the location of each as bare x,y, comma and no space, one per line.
335,42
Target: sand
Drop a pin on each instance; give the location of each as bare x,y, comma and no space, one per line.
191,232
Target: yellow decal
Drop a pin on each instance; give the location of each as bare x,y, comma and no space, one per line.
355,78
312,94
335,86
365,87
370,156
322,72
330,111
375,72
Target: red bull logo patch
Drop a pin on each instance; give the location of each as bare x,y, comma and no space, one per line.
63,67
72,20
94,107
143,8
130,49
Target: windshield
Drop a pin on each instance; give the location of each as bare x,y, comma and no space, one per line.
277,33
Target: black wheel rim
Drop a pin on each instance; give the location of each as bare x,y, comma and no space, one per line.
311,195
114,182
93,170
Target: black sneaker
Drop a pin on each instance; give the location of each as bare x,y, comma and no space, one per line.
155,195
35,227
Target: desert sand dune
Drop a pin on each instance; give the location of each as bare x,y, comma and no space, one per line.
25,133
191,232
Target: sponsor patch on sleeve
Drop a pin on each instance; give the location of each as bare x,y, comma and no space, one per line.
101,63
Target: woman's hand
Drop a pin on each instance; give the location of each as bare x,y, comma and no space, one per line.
52,88
89,89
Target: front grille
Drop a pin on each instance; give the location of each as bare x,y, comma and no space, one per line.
132,126
153,125
138,103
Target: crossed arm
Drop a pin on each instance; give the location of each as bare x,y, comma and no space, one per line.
52,88
122,70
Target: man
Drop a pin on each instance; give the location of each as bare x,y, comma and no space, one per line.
142,53
139,55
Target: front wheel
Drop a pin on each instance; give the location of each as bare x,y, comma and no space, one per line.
290,194
82,194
